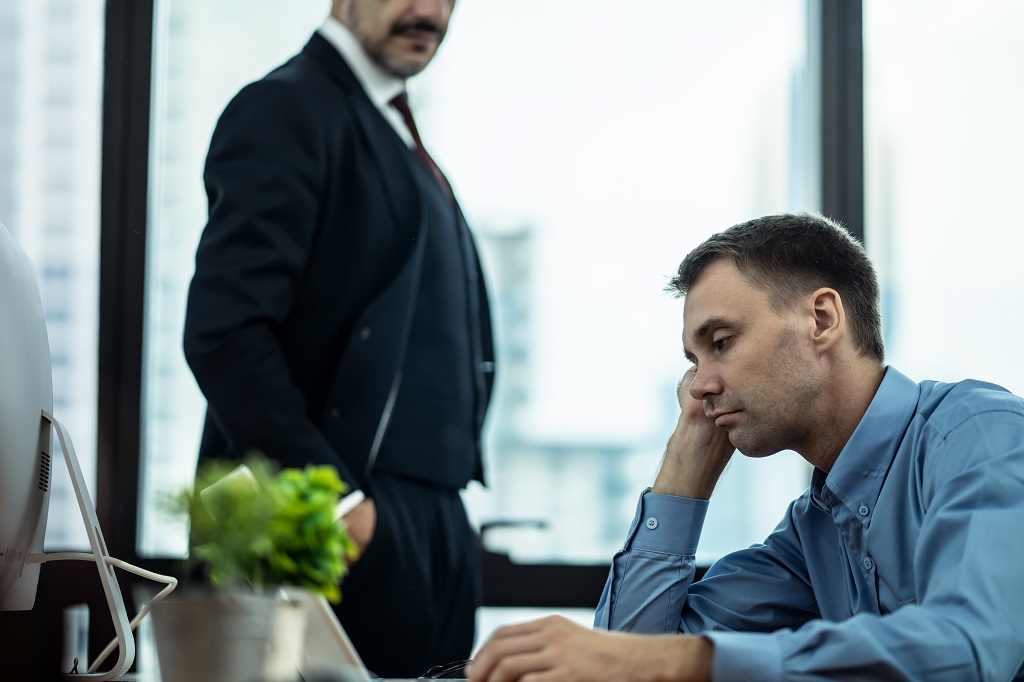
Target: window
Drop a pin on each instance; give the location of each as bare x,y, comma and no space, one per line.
50,108
944,143
193,62
590,150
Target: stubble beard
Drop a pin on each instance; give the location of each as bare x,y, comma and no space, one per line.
377,49
778,417
402,68
397,66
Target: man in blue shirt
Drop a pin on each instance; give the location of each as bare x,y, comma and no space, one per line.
899,562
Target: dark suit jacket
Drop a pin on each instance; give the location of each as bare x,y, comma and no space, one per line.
307,271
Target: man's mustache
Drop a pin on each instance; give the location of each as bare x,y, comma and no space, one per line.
419,25
710,407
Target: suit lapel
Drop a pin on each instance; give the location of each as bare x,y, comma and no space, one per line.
383,147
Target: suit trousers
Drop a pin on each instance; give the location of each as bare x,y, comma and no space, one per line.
410,601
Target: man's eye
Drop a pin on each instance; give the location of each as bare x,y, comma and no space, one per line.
721,343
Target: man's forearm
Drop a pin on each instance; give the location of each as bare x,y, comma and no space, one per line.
678,479
693,463
697,451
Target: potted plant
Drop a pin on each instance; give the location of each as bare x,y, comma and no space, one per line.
255,533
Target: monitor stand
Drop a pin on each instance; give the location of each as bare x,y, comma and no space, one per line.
111,590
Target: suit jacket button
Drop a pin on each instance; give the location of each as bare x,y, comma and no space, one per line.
364,333
334,413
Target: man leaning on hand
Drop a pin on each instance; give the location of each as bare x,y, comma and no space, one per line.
900,560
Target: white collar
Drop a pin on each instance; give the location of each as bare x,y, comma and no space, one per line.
380,86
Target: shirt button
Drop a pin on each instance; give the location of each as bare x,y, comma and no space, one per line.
863,510
652,523
868,563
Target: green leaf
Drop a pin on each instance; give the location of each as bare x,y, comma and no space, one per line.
279,530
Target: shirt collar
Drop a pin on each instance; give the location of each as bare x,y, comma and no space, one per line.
858,474
380,86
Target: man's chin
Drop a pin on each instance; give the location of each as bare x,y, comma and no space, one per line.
406,65
750,449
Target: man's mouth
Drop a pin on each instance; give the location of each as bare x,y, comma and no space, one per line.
722,418
725,419
418,29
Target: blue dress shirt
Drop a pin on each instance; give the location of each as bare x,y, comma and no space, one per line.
905,562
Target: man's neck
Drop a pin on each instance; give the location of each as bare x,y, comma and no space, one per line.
380,85
845,402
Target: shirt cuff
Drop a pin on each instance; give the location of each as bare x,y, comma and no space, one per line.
747,656
668,524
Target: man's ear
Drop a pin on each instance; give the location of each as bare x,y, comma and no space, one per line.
829,317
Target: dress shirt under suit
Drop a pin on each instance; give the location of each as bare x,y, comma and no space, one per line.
902,564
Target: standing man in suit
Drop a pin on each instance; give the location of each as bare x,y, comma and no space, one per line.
338,316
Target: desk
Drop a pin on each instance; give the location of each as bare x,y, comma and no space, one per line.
133,677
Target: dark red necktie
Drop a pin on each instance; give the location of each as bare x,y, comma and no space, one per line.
401,102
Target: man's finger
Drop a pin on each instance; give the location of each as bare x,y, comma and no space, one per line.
512,667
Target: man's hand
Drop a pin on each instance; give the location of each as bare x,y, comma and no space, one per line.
697,450
555,648
362,523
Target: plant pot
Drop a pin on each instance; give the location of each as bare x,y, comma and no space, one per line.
228,637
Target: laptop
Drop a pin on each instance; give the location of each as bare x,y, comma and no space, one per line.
327,651
328,654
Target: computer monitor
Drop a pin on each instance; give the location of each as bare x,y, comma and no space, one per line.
26,394
27,429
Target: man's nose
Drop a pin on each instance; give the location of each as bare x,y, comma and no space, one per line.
703,385
437,11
